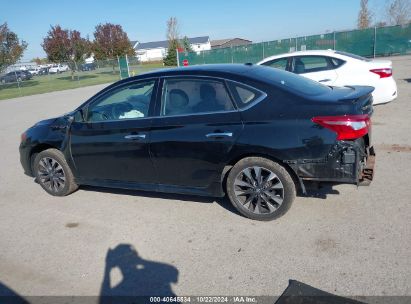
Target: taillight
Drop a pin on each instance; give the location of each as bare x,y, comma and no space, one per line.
383,73
346,126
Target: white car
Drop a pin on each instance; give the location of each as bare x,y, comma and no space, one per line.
335,68
34,71
58,68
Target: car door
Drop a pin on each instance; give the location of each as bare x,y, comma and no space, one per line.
196,127
113,142
318,68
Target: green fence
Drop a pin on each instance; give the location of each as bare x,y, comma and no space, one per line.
372,42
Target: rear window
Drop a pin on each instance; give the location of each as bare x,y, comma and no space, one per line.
352,56
292,82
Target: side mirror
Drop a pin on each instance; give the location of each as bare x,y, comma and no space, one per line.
79,116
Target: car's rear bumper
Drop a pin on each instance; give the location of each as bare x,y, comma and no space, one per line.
347,162
385,91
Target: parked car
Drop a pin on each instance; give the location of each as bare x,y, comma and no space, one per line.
88,67
337,68
248,131
43,71
15,76
58,68
34,71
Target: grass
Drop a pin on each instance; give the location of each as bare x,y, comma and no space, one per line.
59,82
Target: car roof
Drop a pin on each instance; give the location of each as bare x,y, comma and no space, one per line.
304,53
230,71
236,72
234,69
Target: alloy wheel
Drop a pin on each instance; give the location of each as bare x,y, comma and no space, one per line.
259,190
51,174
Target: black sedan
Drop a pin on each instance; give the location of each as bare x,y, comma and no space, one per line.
44,71
15,76
241,130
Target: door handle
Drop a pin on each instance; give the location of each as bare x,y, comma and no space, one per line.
324,80
222,134
135,136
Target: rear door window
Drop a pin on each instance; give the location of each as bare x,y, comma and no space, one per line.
185,96
312,64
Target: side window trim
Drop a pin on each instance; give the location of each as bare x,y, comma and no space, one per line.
159,99
104,94
335,67
236,97
289,62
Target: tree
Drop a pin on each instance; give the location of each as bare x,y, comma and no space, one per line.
79,49
171,57
64,45
173,42
187,45
57,44
381,24
364,16
399,12
172,29
11,48
39,60
111,41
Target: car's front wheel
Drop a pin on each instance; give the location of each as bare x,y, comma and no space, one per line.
53,173
260,189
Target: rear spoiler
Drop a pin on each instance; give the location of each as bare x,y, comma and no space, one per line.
358,92
361,96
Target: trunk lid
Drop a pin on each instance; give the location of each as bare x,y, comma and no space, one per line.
361,98
379,64
348,100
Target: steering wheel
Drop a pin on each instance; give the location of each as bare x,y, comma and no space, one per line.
120,108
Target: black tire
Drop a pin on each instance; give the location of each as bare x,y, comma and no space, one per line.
57,186
267,209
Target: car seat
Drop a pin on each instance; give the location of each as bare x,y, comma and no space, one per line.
299,66
178,101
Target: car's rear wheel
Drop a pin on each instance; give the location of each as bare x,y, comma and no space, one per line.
53,173
260,189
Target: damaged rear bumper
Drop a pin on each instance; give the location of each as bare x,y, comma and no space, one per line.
367,172
347,162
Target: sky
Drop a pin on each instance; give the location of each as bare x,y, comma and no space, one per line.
145,20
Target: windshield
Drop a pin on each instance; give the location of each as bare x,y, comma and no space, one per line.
292,82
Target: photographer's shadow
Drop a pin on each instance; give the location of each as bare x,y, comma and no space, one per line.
139,277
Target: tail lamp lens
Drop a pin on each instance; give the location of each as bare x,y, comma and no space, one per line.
347,126
383,73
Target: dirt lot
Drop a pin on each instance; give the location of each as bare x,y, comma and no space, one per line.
344,240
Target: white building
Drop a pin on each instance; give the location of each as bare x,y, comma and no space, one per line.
157,50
